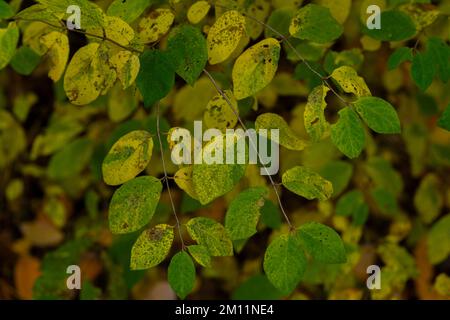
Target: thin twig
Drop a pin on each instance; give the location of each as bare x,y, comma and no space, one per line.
166,178
222,93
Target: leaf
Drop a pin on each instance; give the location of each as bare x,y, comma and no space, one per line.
348,133
256,287
315,23
428,199
440,55
385,201
127,66
322,243
152,247
6,11
9,38
198,11
352,204
378,114
200,254
152,27
183,179
128,157
210,234
156,76
259,10
132,206
128,11
307,183
340,9
224,36
188,52
118,30
315,122
181,274
444,120
243,213
270,215
422,71
284,263
57,44
287,137
350,82
255,68
438,240
26,272
71,159
214,180
279,20
399,56
25,60
396,26
338,173
219,114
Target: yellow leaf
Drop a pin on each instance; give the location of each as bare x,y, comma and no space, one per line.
32,35
225,36
155,25
350,82
57,44
287,137
127,67
219,114
315,122
255,68
339,9
118,30
198,11
183,178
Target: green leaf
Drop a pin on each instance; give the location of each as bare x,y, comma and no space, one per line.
378,114
352,204
211,235
307,183
71,159
396,26
384,175
243,213
255,68
284,263
440,55
444,120
315,122
133,204
287,137
438,240
128,157
279,20
385,201
270,215
152,247
188,52
156,76
348,133
214,180
338,173
128,11
6,11
8,43
422,70
315,23
200,254
181,274
257,287
428,199
25,60
399,56
322,243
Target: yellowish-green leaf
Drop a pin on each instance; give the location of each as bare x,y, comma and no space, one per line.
133,204
127,67
350,82
8,42
57,44
183,178
152,27
152,247
259,10
307,183
210,234
200,254
340,9
438,240
12,139
225,36
287,137
128,157
198,11
428,199
118,30
315,122
219,114
255,68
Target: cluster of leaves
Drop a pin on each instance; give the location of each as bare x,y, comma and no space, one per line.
154,65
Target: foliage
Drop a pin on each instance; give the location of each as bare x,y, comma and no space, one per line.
87,116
